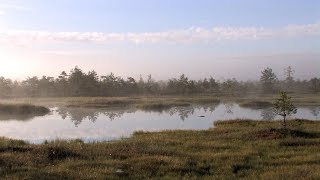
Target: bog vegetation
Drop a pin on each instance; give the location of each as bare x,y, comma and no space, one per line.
23,109
79,83
232,150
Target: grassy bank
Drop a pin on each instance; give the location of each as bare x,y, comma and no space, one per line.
140,102
22,109
144,101
297,99
233,149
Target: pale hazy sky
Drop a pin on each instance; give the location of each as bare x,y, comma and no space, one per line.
200,38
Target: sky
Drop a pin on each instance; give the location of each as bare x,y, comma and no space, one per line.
165,38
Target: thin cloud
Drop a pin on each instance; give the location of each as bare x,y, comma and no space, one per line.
190,35
2,13
9,5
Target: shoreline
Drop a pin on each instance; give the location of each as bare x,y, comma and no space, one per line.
232,149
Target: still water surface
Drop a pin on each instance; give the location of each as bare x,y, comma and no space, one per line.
105,124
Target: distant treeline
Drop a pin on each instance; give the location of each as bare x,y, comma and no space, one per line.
79,83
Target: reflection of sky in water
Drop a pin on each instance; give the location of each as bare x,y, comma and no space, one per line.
99,124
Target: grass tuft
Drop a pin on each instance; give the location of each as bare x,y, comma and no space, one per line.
60,153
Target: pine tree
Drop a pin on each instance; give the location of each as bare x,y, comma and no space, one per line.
284,107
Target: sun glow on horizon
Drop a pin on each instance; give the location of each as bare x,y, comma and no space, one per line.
11,67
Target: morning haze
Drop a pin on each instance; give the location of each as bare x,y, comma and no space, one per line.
196,40
170,89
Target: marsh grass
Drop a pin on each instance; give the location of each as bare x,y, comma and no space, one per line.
145,103
131,101
232,150
23,109
102,102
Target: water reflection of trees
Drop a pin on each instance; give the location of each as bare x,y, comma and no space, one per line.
182,112
229,107
208,107
315,111
268,114
78,115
